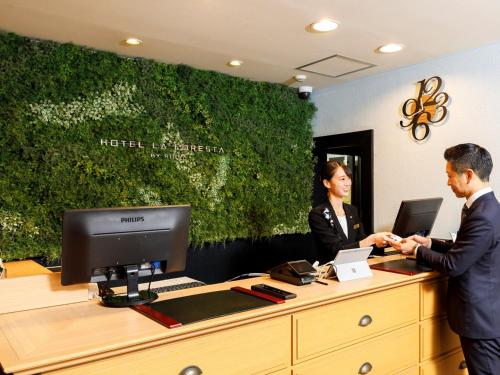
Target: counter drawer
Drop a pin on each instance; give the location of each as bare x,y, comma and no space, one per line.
326,328
437,338
257,348
381,354
433,298
450,365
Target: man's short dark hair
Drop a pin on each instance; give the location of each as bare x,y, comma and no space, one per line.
470,156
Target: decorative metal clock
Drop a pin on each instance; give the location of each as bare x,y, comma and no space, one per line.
428,108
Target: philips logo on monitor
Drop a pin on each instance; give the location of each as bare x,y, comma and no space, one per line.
136,219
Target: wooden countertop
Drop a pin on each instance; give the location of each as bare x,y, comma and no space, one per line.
42,339
24,268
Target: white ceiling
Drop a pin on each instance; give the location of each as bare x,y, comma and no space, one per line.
268,35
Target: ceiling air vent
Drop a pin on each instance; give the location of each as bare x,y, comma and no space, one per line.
335,66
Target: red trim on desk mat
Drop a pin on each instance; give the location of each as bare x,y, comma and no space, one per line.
158,316
258,294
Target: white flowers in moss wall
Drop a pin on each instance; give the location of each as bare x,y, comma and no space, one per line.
148,196
218,182
186,164
12,224
299,225
114,102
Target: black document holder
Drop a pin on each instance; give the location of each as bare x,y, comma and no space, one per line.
198,307
404,266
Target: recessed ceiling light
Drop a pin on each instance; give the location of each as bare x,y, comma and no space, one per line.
235,63
133,41
390,48
300,77
323,26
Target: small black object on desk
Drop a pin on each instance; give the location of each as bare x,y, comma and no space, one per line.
299,272
272,291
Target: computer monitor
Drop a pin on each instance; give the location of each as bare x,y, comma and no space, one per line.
105,244
416,216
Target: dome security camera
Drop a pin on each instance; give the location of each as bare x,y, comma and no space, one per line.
305,92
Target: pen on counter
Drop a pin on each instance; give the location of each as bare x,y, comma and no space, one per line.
321,282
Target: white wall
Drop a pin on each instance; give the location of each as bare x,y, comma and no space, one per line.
403,168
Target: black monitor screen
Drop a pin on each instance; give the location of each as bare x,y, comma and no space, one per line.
104,244
416,217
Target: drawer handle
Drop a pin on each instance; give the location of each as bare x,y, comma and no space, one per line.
191,370
462,365
365,368
365,321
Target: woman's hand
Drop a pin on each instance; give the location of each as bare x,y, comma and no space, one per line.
379,239
382,238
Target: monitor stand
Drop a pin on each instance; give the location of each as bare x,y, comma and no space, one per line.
381,251
134,295
378,251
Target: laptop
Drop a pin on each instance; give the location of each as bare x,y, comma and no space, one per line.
351,264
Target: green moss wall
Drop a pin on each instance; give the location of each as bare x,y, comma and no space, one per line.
81,128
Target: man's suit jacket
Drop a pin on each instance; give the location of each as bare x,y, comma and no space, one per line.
473,266
329,234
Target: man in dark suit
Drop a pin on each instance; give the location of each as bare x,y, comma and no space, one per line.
472,262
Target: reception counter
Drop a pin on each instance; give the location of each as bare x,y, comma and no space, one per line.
386,324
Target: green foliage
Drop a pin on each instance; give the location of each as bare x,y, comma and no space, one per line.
61,106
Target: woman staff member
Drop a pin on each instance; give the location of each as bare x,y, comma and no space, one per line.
335,224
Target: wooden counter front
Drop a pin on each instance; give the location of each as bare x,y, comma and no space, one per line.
88,338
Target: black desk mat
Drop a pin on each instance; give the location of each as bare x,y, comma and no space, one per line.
404,266
198,307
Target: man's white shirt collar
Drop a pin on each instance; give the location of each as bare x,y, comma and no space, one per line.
477,194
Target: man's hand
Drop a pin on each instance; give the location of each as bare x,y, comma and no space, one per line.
425,241
406,245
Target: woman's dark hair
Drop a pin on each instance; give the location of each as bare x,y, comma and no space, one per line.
331,167
470,156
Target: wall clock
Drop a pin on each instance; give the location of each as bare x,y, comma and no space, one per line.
428,108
